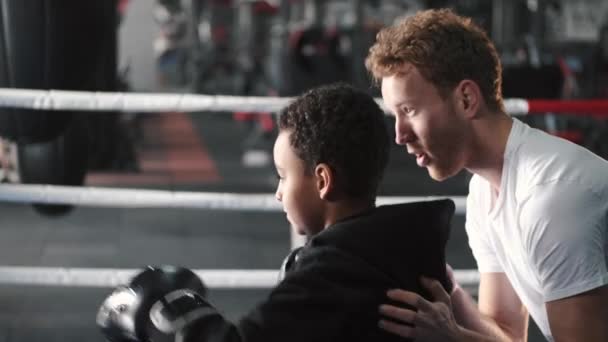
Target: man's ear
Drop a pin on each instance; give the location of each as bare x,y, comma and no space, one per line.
324,177
468,98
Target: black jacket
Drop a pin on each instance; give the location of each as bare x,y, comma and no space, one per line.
333,288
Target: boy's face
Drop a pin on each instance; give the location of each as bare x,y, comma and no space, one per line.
426,124
297,189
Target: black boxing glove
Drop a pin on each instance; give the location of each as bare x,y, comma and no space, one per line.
153,307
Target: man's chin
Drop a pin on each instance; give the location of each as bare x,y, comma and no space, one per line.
440,175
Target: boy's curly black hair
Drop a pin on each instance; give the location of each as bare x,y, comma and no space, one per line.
343,127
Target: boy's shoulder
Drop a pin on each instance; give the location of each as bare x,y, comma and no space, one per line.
384,242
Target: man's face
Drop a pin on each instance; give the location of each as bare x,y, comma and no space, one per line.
427,125
297,189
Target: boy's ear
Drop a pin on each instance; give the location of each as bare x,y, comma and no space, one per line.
324,177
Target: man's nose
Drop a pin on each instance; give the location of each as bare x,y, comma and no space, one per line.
278,195
403,132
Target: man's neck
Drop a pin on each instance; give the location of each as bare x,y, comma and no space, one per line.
489,144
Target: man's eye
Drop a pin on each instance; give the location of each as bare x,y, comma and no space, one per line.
408,111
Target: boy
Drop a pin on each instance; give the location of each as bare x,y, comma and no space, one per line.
330,155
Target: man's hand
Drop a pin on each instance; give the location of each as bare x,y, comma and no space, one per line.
429,321
452,279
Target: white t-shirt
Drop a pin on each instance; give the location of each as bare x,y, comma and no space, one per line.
547,230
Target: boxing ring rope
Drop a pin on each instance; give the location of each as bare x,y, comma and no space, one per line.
135,198
162,102
112,277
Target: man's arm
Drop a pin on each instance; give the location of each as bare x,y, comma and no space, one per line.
566,249
499,313
580,318
455,317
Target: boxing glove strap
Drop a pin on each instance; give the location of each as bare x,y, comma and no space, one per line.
178,309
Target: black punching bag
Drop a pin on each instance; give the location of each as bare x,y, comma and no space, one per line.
54,44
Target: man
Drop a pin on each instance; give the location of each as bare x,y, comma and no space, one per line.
330,155
537,208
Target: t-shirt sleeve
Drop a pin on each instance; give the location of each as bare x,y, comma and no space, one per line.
564,235
483,251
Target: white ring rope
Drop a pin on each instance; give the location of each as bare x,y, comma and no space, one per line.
159,102
517,106
112,277
135,102
138,198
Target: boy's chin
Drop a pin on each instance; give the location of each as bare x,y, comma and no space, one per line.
302,231
298,230
305,232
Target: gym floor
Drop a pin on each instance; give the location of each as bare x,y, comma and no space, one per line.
200,153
